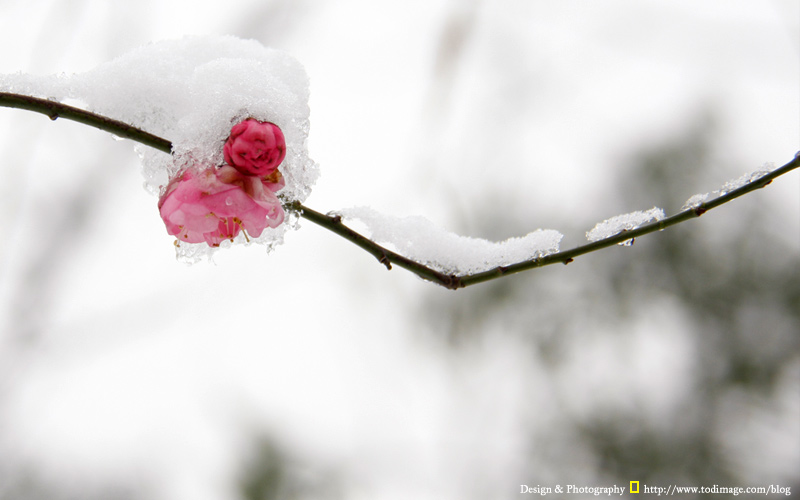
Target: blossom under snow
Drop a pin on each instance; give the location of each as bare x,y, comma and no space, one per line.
214,204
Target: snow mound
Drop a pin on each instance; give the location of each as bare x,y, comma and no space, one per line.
419,239
624,222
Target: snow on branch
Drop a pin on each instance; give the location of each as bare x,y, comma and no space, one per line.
624,222
419,239
240,160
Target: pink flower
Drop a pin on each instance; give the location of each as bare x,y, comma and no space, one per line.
214,204
255,148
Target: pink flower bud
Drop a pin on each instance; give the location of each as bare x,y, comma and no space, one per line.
214,204
255,148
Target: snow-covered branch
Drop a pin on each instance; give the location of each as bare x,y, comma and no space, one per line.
622,236
542,246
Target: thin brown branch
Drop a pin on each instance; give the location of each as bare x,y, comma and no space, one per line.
55,110
385,256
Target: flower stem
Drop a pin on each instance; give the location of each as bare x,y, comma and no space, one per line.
385,256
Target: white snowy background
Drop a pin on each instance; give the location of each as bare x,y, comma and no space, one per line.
125,374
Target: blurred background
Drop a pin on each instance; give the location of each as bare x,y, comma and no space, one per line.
312,372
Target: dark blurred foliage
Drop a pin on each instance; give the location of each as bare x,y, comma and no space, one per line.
733,278
269,473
